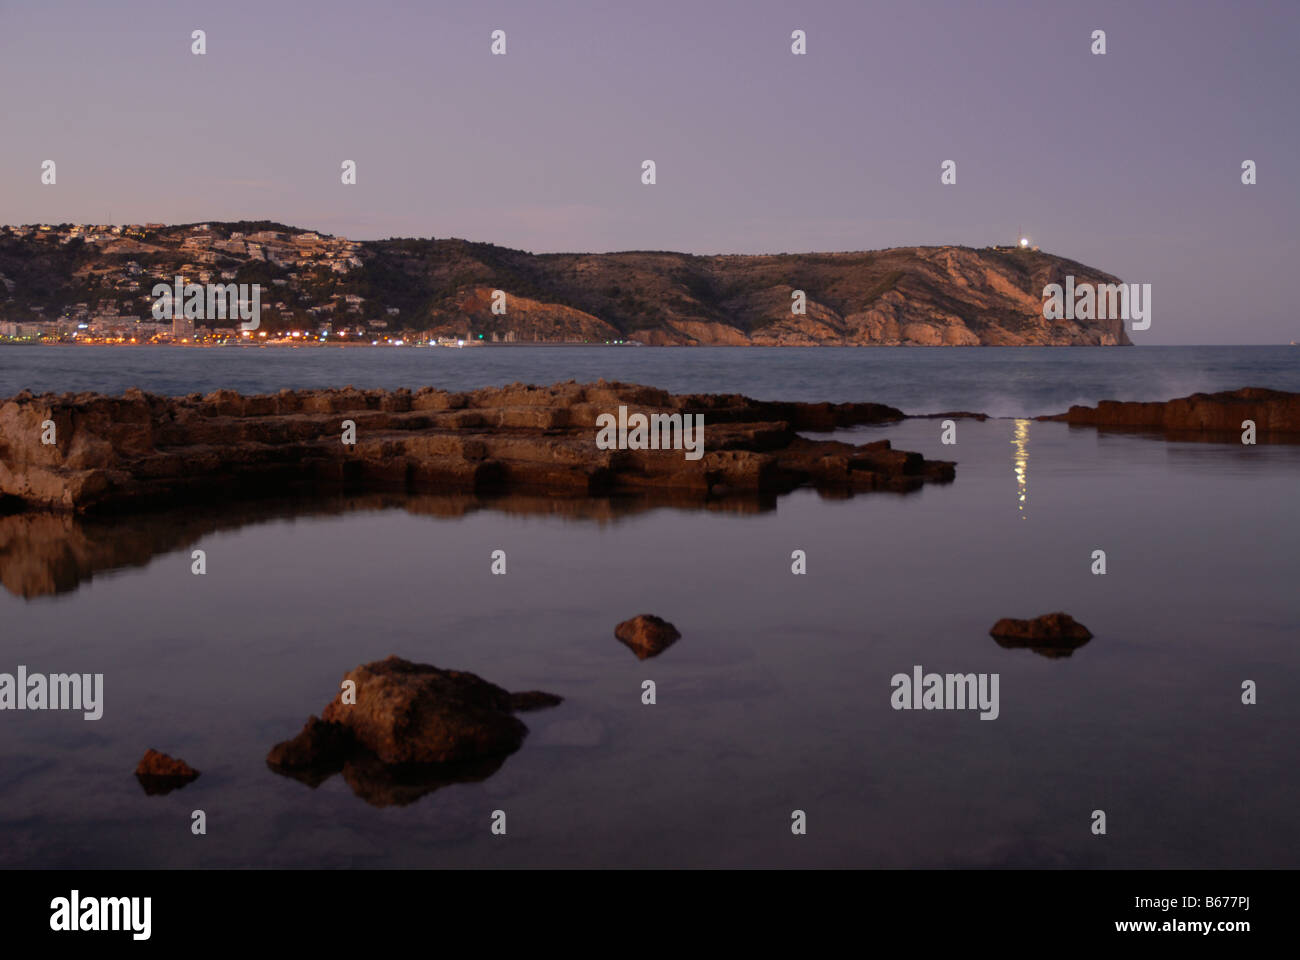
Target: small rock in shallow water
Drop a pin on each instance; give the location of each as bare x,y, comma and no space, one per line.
160,774
1048,629
647,635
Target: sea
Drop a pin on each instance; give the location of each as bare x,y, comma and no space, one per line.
999,381
1176,722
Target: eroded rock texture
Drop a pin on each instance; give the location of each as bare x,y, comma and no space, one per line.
140,450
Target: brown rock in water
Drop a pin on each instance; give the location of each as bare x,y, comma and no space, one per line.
146,451
1201,416
1047,629
413,728
160,774
647,635
155,764
415,713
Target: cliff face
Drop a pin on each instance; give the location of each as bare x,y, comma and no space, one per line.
909,295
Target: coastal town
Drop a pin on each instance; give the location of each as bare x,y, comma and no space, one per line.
302,277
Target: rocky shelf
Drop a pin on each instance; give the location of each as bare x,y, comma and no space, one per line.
144,451
1201,416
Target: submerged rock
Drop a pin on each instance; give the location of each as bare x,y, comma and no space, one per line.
647,635
160,774
533,700
412,728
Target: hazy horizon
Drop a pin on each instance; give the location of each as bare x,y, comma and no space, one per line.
1127,162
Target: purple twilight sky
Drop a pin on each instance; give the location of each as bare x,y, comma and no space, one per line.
1130,162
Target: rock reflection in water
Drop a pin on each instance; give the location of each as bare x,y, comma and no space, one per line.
381,785
1054,649
42,554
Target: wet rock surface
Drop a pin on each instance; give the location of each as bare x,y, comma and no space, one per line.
412,728
144,451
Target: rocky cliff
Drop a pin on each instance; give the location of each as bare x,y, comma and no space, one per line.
930,296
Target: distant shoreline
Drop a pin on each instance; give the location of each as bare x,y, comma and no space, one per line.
314,344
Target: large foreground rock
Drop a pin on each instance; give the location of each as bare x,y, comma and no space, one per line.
413,728
1208,416
140,450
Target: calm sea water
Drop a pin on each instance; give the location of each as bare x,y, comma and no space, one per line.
777,696
1001,381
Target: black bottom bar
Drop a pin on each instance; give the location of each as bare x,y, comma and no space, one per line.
333,908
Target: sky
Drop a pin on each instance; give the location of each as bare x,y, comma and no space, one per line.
1129,161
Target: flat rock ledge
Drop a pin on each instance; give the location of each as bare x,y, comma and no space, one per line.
140,450
1211,416
413,728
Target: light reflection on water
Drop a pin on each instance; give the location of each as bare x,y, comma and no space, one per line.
1020,462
